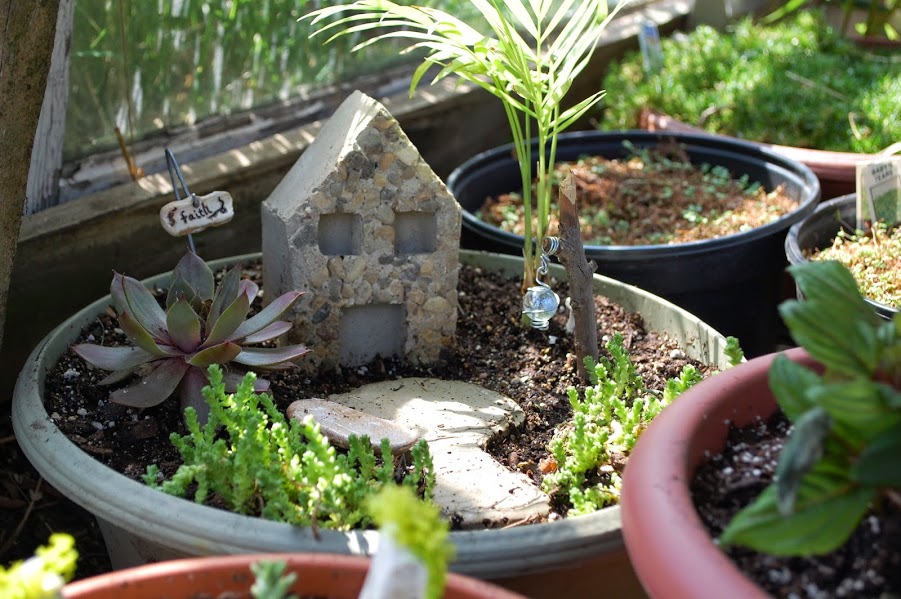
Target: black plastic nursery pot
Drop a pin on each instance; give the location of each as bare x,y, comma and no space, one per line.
734,282
818,230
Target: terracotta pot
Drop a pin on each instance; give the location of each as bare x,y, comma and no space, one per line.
837,171
668,545
320,575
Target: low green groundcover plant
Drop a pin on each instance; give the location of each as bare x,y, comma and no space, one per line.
873,258
607,421
250,457
843,455
796,83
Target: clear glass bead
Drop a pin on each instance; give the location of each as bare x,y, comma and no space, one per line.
540,304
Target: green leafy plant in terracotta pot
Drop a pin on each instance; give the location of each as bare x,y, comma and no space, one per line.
840,390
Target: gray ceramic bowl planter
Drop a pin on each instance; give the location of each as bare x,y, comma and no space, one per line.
735,282
817,231
140,524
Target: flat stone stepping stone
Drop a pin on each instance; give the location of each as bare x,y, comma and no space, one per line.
338,423
458,420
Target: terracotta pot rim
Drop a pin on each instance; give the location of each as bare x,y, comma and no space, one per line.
670,549
311,567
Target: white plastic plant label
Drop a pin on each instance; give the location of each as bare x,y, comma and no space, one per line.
649,42
183,217
394,573
879,192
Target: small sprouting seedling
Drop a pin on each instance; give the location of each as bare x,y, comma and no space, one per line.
256,462
844,451
606,424
201,326
270,580
734,353
417,527
43,575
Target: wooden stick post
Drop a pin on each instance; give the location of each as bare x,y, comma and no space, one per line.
571,254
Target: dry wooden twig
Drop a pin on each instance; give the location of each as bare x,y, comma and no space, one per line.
571,254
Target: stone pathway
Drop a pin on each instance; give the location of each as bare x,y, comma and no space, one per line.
458,419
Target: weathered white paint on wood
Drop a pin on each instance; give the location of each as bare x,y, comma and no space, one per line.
47,153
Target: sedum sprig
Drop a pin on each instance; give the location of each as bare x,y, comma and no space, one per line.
529,57
270,580
607,420
43,575
418,527
255,461
844,450
200,326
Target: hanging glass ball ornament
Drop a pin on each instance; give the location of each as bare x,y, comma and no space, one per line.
540,304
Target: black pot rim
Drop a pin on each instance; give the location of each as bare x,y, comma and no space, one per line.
806,204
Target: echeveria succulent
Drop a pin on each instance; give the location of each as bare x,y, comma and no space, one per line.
200,326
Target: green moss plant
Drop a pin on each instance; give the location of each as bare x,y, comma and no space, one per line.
256,462
608,418
43,575
843,455
874,258
796,83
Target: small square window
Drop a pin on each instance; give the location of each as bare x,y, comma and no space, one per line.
415,232
340,234
371,330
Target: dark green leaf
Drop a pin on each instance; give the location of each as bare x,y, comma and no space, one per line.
225,295
831,282
229,321
879,464
859,407
270,357
113,358
828,508
279,327
155,388
835,338
129,295
184,326
140,337
801,452
790,382
267,315
197,274
217,354
179,287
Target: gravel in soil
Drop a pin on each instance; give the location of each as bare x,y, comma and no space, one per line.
868,565
656,196
491,349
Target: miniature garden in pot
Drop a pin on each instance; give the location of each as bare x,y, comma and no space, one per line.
403,329
733,281
779,477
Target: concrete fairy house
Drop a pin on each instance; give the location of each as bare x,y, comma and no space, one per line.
366,229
